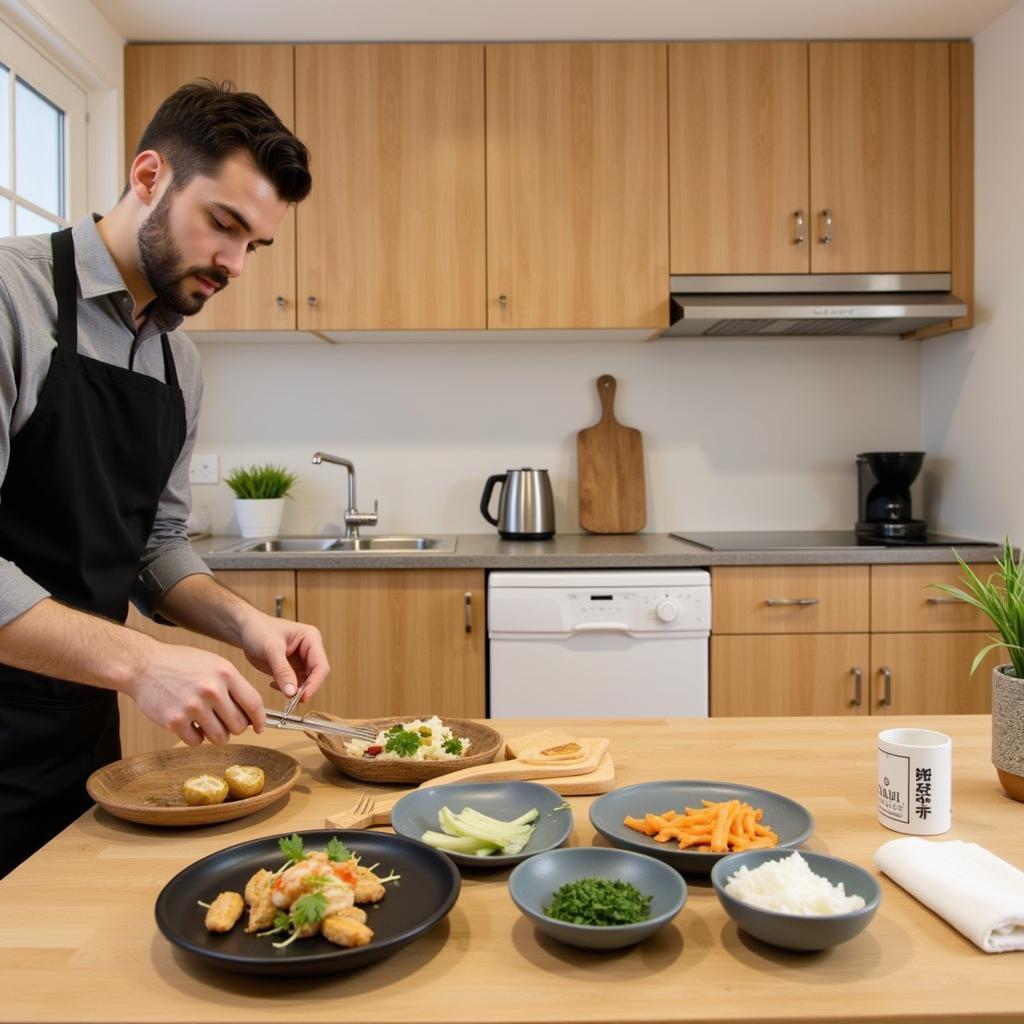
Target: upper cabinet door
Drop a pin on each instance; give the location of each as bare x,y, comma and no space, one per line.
738,166
392,236
880,157
577,185
263,298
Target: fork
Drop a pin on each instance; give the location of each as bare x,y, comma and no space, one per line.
366,812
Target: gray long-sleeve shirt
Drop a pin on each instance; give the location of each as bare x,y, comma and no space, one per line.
106,331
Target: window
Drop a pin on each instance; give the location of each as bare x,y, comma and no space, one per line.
42,142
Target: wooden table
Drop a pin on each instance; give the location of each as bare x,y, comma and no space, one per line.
80,943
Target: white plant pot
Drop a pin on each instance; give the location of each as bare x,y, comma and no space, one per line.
259,517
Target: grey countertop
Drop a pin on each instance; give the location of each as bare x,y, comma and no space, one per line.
576,551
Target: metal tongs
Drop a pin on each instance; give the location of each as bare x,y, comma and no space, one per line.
286,720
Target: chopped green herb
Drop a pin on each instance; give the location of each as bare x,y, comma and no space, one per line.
452,745
397,727
599,901
402,743
337,850
292,848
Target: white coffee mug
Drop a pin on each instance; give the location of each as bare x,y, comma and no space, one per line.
915,781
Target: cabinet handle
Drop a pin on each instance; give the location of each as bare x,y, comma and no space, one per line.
886,700
469,611
503,301
826,239
858,676
280,302
799,237
279,606
943,600
310,300
774,602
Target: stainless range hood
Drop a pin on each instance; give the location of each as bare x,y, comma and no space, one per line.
771,305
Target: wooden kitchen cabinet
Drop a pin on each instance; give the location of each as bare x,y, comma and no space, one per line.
400,642
392,236
738,160
577,185
880,157
270,590
263,298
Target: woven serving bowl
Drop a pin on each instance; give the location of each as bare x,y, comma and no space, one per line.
485,745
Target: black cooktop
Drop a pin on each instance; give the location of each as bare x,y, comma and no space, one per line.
796,540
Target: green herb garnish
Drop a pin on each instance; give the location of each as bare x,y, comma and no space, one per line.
337,850
452,745
309,909
397,727
402,743
292,848
599,901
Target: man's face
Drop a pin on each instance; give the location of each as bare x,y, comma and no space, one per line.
196,239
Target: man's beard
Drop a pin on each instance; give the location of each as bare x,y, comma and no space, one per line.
161,261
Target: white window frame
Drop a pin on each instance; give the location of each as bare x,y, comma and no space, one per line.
25,62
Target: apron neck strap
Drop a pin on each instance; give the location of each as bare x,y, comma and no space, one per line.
65,288
170,373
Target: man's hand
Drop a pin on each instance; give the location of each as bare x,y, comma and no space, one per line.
292,652
196,694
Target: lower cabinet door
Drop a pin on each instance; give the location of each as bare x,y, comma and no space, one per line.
790,675
272,591
400,642
929,673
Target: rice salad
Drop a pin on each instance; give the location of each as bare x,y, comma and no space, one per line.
436,742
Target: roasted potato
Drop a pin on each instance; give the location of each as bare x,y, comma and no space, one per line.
244,780
204,789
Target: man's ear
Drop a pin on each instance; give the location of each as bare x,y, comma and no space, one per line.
147,171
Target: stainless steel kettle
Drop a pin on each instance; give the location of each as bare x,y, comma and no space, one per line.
526,508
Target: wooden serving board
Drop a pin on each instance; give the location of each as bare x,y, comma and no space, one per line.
611,471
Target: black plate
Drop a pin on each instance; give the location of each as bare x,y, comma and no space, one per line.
428,889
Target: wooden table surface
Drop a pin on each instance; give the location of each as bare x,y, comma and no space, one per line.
80,942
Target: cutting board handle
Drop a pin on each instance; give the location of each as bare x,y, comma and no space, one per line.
606,392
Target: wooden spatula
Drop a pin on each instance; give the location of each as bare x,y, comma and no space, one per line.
611,469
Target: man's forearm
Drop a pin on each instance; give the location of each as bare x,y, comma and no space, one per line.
54,640
203,605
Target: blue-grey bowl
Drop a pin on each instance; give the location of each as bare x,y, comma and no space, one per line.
794,931
417,811
533,884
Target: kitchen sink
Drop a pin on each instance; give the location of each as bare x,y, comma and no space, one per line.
327,545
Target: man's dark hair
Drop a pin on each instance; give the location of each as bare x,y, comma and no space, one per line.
201,124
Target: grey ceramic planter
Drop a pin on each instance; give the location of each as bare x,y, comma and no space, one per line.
1008,730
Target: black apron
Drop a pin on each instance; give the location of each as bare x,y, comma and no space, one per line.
77,505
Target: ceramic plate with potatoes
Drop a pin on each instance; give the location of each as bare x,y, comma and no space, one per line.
193,785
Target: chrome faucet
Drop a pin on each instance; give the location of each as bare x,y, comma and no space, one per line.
353,517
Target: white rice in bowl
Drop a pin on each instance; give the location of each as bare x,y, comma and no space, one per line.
789,886
432,750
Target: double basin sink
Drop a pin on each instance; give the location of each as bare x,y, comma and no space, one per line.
334,545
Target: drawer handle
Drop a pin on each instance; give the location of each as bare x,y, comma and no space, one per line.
279,606
886,700
469,611
803,602
944,600
858,676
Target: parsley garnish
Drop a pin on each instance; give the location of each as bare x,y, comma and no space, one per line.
402,743
309,909
599,901
336,850
292,848
453,745
397,727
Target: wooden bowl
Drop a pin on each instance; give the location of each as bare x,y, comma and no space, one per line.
485,744
147,787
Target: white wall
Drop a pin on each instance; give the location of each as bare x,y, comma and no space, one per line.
971,382
737,433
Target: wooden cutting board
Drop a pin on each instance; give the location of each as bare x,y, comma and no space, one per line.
611,469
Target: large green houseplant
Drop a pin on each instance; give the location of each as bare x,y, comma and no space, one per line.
259,497
1001,598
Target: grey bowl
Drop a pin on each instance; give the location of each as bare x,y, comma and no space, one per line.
417,811
793,931
533,883
791,821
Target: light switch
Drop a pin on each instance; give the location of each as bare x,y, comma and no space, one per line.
204,469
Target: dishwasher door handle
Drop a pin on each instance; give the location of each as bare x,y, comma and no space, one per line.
601,627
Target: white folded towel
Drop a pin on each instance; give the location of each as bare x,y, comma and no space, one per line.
979,894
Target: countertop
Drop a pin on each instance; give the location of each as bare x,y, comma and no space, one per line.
577,551
80,942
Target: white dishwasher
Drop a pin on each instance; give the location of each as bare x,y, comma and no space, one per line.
599,644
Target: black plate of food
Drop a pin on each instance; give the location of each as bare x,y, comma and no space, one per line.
426,890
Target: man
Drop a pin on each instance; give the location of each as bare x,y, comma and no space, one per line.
99,399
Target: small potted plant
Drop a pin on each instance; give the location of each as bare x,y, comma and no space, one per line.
259,498
1001,598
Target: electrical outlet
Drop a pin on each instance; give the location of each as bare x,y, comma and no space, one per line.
203,469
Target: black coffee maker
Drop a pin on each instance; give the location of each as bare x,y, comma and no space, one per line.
883,495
